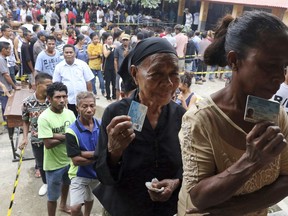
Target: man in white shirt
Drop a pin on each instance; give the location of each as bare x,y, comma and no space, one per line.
100,16
11,60
75,74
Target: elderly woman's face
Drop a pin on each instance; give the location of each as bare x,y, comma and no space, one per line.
158,77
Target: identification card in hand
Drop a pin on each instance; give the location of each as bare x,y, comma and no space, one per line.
259,109
137,112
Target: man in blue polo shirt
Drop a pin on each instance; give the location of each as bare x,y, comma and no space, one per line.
81,139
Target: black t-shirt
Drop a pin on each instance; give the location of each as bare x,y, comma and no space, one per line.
26,57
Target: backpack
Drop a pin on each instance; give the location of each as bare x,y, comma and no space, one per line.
190,51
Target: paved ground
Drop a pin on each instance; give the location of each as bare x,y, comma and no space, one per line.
27,202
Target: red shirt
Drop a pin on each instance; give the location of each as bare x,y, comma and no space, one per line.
87,17
71,15
71,40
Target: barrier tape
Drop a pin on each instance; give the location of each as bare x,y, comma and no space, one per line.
208,72
15,184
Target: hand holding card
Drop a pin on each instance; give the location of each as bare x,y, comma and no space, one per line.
137,112
259,109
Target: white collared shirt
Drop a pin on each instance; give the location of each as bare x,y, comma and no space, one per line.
74,77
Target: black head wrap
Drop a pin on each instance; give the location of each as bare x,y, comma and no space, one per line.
143,49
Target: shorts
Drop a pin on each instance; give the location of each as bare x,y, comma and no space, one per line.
81,190
55,179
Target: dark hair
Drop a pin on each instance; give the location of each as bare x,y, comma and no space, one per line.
23,28
186,79
28,18
103,24
140,36
26,33
50,37
70,31
56,86
80,37
190,34
169,30
35,27
4,27
116,34
40,77
241,34
4,45
39,17
93,34
105,35
68,45
53,22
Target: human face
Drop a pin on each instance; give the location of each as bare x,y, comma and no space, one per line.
95,39
58,101
87,108
42,87
157,78
28,37
183,87
109,40
261,72
20,32
6,52
50,45
7,33
69,55
59,36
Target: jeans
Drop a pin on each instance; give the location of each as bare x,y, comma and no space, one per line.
3,100
12,73
99,74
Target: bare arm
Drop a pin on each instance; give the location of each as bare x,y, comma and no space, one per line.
54,141
240,205
9,80
116,64
264,144
89,86
84,159
16,43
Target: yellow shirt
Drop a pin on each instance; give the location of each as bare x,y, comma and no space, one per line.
95,50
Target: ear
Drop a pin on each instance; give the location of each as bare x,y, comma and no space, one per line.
134,73
232,60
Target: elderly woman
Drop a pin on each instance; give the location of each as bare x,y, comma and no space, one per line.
126,159
231,166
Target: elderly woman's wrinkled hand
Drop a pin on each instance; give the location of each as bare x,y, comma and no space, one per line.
120,134
169,186
264,142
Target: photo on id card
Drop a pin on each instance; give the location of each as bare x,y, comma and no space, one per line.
137,112
259,109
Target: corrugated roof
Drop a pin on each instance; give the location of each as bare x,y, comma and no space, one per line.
261,3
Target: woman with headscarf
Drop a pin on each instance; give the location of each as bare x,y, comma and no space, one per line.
126,158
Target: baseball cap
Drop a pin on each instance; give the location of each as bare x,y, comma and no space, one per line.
125,37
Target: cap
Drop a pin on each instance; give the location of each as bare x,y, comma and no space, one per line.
42,33
125,37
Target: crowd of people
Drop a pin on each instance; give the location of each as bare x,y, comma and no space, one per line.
199,167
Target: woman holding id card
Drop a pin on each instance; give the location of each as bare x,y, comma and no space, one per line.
232,166
138,155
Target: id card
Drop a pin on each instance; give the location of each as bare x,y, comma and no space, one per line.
137,112
259,109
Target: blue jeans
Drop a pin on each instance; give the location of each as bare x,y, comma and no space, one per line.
3,100
99,74
12,73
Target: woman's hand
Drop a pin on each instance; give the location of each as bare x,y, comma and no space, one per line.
264,142
181,98
120,134
169,186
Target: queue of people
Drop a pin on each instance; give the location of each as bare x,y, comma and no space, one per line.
201,157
